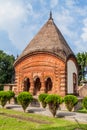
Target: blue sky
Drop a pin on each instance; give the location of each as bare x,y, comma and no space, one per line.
20,20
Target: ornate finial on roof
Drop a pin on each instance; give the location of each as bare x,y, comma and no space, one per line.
51,15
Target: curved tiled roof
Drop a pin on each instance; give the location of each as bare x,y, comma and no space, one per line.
48,39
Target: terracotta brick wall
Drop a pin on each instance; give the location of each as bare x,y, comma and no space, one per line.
42,66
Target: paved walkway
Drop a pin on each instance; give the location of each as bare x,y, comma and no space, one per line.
78,117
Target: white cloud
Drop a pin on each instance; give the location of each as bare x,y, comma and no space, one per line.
80,46
21,19
14,15
43,2
74,6
70,3
84,30
12,12
54,3
21,36
64,20
69,19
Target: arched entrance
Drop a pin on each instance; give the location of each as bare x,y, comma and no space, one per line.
37,86
48,85
26,84
74,83
71,77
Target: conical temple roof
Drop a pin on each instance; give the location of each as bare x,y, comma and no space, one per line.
49,39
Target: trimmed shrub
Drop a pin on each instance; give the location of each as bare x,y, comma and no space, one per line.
53,102
42,98
3,98
24,98
70,101
11,94
84,102
15,100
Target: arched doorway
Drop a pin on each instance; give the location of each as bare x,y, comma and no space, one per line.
74,83
71,78
37,85
26,84
48,85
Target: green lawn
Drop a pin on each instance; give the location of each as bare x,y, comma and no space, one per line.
34,122
83,110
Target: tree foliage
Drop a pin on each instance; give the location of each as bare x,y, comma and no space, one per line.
11,95
53,102
24,98
6,67
42,98
3,98
70,101
84,102
82,62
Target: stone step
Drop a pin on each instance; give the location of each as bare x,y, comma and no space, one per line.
35,103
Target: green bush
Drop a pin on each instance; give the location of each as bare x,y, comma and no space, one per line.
70,101
53,102
15,100
42,98
11,94
84,102
1,87
24,98
3,98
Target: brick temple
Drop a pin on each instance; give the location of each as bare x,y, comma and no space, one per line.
47,64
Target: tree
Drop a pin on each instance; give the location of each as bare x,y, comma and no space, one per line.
84,102
53,102
70,101
11,95
42,98
4,97
82,62
6,67
24,98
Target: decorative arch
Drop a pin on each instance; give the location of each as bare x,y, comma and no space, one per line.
26,84
37,85
48,84
71,77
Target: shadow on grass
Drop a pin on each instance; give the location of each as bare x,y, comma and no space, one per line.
13,106
33,110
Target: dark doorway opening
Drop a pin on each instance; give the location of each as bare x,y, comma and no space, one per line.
26,84
37,86
48,85
74,83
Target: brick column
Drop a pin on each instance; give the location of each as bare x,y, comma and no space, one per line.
42,87
63,82
22,85
42,90
31,86
20,82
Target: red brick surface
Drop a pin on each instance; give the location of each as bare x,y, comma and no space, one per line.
42,66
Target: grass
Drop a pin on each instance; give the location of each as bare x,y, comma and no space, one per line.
83,110
46,123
